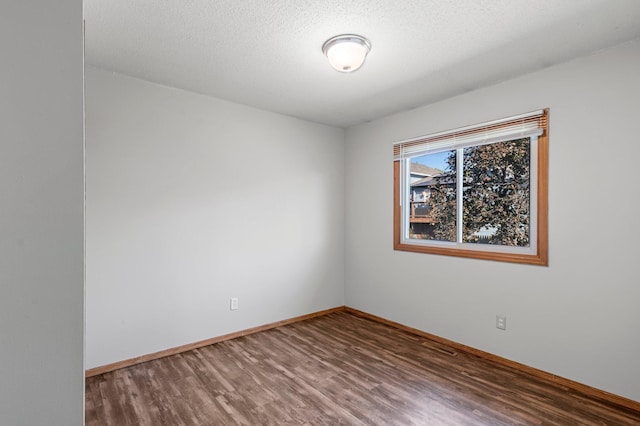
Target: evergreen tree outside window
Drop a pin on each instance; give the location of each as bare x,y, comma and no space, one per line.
478,191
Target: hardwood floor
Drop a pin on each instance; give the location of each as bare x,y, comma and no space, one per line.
335,369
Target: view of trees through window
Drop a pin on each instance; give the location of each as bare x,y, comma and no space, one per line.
495,206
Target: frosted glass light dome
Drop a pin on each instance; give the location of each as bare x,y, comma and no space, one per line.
346,52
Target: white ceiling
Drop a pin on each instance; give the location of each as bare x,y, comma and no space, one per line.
267,53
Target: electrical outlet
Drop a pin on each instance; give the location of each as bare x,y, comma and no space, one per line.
234,303
501,322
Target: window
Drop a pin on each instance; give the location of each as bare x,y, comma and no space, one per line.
478,191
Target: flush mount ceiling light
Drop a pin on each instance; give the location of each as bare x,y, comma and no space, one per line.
346,52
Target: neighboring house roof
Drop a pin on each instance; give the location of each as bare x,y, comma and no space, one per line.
440,179
422,170
423,182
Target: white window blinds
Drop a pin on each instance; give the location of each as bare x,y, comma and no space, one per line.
516,127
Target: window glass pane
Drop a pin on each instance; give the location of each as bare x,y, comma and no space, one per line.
432,197
496,193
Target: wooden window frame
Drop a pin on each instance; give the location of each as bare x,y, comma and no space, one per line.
540,258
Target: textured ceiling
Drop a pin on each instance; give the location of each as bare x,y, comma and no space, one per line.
267,53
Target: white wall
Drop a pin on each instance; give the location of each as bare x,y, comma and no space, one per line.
192,200
577,318
41,213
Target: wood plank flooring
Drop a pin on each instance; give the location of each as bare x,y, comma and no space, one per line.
335,369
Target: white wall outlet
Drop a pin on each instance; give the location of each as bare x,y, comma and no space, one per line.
501,322
234,303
